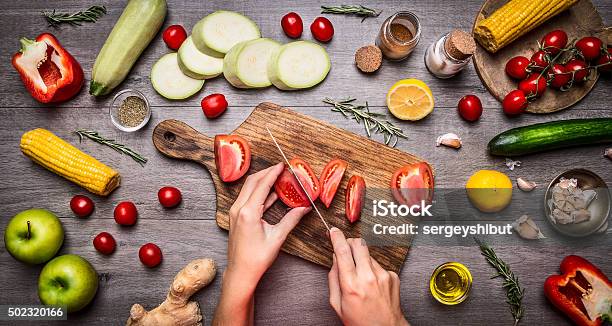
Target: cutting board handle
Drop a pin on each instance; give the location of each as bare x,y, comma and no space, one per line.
179,140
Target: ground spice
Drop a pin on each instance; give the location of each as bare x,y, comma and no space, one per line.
401,32
368,58
132,112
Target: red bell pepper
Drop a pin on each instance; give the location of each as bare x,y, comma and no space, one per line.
582,292
47,70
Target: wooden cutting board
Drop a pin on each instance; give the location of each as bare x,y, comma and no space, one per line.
316,142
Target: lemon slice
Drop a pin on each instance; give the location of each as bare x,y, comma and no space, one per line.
410,99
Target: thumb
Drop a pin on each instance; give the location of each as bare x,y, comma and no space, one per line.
290,220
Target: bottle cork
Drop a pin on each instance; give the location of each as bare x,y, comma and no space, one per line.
459,45
368,58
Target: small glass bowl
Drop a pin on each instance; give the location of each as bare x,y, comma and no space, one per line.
116,103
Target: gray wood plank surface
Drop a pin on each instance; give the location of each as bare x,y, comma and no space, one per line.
293,291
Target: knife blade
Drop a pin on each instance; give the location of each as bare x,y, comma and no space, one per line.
298,179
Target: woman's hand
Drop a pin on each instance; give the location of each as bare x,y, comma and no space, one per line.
253,245
360,290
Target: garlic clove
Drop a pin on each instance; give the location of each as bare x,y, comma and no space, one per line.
608,153
527,228
525,185
449,140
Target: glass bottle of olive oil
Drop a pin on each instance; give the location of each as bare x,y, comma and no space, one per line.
450,283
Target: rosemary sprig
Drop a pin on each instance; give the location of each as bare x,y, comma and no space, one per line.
90,15
93,135
357,10
371,120
514,292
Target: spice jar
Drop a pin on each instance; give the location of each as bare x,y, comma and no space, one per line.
450,54
129,110
399,35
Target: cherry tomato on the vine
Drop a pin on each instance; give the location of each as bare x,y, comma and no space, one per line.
554,41
558,76
534,85
517,67
174,36
104,243
322,29
214,105
169,196
125,213
470,108
580,67
590,47
150,255
292,25
539,61
514,103
605,61
82,206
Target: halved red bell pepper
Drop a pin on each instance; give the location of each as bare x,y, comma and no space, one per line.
47,70
582,292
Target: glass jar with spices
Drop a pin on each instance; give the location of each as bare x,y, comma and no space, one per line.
399,35
130,110
449,54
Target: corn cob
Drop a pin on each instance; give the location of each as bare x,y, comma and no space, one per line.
514,19
58,156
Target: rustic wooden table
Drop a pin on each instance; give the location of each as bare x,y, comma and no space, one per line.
293,291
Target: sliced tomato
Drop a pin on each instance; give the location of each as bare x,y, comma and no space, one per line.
355,197
412,183
288,189
330,180
232,157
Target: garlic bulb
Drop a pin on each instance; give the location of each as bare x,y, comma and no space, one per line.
569,203
527,228
449,140
525,185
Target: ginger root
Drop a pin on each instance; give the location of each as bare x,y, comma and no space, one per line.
177,309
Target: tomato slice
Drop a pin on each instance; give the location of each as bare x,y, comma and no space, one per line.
232,157
330,180
412,183
288,188
355,195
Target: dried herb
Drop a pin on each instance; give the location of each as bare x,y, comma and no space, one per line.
514,292
90,15
357,10
371,120
93,135
132,111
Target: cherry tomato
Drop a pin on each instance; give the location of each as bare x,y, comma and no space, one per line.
514,103
292,25
288,189
580,68
322,29
558,76
330,180
605,61
355,198
214,105
412,184
590,47
126,213
174,36
150,255
169,197
81,206
534,85
232,157
554,41
539,61
104,243
517,67
470,108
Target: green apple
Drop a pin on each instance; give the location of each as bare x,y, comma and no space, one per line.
68,280
34,236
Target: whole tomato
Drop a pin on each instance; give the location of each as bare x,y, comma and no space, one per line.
514,103
554,41
214,105
174,36
150,255
580,69
104,243
292,25
470,108
534,85
539,61
517,67
590,47
82,206
169,196
605,61
558,76
126,213
322,29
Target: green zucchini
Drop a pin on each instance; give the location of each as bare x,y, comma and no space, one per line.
551,135
138,24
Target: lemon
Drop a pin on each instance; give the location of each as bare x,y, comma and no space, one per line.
410,99
489,191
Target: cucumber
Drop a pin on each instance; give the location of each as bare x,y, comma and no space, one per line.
297,65
170,82
246,64
218,32
196,64
551,135
138,24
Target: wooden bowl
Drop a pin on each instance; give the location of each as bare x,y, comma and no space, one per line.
580,20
